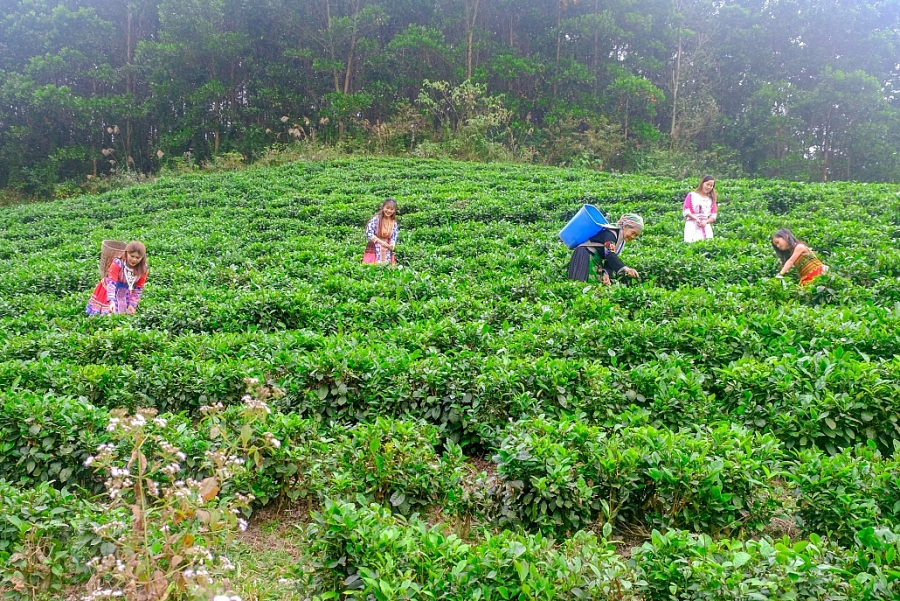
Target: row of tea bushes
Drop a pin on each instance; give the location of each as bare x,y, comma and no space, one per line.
690,567
635,323
365,552
828,400
549,475
47,536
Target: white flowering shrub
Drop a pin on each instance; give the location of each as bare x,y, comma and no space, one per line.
174,544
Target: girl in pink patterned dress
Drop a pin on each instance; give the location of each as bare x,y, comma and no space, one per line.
700,211
120,290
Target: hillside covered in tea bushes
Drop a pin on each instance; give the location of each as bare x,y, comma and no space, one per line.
469,425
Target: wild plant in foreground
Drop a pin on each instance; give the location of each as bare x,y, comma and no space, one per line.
174,544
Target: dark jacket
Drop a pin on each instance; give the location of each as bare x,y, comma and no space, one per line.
604,255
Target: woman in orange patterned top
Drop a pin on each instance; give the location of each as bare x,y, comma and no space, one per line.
793,252
381,232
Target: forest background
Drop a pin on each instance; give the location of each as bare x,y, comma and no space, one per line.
97,93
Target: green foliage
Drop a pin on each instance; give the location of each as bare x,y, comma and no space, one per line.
46,438
828,400
877,559
680,565
842,494
393,462
465,115
665,403
366,553
46,535
560,476
97,95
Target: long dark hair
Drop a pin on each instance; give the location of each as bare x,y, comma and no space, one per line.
137,248
380,214
792,240
712,193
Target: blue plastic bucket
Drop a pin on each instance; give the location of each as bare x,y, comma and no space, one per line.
586,223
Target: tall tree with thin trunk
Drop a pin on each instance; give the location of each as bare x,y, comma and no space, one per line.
471,7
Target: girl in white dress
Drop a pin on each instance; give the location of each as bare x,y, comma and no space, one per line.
700,211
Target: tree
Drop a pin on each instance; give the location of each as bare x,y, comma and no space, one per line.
635,97
693,106
839,111
196,72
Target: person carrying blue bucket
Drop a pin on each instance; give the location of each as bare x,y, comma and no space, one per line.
598,244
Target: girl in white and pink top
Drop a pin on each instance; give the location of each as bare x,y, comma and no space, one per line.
700,211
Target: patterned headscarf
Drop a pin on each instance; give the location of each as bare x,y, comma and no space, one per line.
632,220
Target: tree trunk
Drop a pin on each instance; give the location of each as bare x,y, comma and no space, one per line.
847,146
596,60
469,44
128,82
217,107
676,77
353,37
558,45
826,147
330,42
471,18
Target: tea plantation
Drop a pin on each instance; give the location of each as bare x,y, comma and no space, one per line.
469,425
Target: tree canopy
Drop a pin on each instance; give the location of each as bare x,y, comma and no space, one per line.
797,89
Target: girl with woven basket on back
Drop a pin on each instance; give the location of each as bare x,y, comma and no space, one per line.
120,290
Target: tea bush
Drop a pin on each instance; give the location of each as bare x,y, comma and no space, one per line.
46,438
392,462
46,537
681,565
844,493
560,475
830,401
366,553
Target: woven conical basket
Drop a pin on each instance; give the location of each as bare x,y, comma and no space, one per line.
109,250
